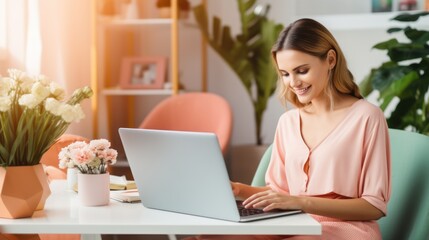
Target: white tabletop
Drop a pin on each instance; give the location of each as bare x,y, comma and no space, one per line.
63,214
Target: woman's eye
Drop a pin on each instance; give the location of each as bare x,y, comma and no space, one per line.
303,71
285,74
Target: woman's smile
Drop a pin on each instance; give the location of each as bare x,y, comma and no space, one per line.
301,91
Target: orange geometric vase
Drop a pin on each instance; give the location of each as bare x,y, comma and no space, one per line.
21,191
43,178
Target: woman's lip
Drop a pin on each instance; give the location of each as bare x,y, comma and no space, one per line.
301,91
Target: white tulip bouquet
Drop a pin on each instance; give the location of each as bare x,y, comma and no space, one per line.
33,115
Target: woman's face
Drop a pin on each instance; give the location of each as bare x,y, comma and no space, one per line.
305,75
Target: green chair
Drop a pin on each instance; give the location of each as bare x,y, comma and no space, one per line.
408,209
259,178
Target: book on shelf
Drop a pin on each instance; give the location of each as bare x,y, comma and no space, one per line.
126,196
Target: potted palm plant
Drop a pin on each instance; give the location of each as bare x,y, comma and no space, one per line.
32,116
403,79
248,54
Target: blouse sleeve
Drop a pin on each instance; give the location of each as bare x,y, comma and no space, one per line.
374,184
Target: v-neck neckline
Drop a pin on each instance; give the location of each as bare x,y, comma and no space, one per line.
349,111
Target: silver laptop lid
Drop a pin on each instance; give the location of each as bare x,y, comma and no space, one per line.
181,172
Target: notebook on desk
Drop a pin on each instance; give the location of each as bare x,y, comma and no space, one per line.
183,172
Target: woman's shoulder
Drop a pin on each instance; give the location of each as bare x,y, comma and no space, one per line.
364,106
290,114
368,112
289,118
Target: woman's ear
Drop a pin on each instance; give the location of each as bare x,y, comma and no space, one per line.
332,58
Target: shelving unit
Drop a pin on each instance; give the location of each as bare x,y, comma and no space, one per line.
104,78
134,92
361,21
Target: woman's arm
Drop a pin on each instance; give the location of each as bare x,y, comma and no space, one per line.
357,209
243,191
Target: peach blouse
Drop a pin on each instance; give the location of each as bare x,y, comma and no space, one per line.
352,161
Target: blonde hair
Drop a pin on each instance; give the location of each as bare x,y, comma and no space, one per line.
311,37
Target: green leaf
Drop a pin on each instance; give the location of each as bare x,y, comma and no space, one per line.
387,73
416,36
365,86
407,51
243,7
227,42
410,17
386,44
19,146
202,19
386,101
394,29
412,119
247,4
396,88
217,30
402,109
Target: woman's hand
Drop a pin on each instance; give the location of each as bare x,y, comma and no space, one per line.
243,191
353,209
235,189
269,200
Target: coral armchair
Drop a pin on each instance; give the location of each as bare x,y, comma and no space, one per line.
198,112
50,158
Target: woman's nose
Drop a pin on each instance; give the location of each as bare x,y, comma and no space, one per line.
294,81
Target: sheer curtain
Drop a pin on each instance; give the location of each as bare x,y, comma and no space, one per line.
2,33
50,38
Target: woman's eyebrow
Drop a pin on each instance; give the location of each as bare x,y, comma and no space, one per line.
300,66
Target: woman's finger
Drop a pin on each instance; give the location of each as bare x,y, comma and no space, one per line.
255,196
259,200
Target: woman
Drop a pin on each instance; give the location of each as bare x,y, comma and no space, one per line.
331,154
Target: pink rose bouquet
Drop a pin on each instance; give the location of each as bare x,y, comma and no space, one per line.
92,158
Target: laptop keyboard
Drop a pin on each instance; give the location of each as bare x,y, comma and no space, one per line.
247,211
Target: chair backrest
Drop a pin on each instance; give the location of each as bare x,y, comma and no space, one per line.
50,157
259,178
198,112
408,208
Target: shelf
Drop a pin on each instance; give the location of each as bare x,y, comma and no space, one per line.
141,21
365,21
135,92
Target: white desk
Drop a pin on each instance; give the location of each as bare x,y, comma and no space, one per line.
63,214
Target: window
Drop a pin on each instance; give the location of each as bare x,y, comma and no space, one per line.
2,29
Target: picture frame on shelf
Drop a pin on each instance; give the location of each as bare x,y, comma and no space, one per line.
381,5
143,72
409,5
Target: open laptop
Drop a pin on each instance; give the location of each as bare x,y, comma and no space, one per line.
184,172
